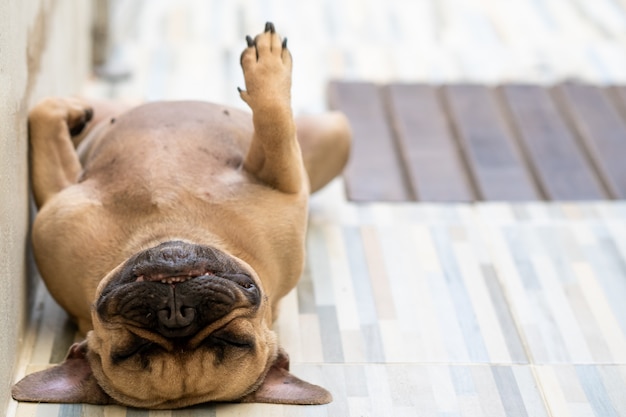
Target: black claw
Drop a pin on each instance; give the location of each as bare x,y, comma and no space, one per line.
250,41
76,130
285,43
84,119
239,90
269,27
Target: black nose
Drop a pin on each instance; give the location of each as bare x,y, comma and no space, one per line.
176,314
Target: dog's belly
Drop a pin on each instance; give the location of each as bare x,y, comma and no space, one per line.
166,171
168,145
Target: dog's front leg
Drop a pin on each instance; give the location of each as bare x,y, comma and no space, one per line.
274,156
54,163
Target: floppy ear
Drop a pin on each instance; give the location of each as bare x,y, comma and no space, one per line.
281,387
70,382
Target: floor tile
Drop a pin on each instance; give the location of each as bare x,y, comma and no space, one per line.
564,280
584,390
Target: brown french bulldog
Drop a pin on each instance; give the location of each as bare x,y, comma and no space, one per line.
170,232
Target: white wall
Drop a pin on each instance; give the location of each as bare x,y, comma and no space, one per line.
44,50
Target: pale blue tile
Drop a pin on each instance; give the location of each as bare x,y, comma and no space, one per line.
70,410
510,395
463,380
361,282
460,298
615,385
306,292
517,246
595,391
508,327
610,272
557,243
317,263
374,350
330,334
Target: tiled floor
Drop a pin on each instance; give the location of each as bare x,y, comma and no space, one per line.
412,309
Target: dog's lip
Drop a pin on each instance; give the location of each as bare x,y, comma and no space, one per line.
176,278
178,262
242,280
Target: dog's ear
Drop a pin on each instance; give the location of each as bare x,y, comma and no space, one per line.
70,382
281,387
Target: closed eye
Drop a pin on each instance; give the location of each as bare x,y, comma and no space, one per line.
236,340
232,339
130,351
227,345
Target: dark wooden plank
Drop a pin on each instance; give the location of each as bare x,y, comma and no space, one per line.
560,165
601,129
618,94
374,172
431,156
497,168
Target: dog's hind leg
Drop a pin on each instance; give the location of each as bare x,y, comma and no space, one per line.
54,162
274,156
325,142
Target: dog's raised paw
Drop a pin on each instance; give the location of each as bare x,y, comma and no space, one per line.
266,64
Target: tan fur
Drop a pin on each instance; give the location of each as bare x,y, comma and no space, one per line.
191,172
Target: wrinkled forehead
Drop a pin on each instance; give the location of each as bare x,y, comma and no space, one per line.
178,379
173,383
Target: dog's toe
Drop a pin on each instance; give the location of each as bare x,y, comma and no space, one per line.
79,117
77,125
266,64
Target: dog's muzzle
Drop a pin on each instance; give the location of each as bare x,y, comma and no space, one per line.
177,289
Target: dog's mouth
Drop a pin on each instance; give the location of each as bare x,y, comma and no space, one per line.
240,279
176,289
177,279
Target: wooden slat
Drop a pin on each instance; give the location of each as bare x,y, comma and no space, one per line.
434,167
618,94
560,166
374,172
497,167
601,129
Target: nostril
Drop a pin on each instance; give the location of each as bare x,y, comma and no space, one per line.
187,315
175,319
165,317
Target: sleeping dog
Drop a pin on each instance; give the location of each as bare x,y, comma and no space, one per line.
170,231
